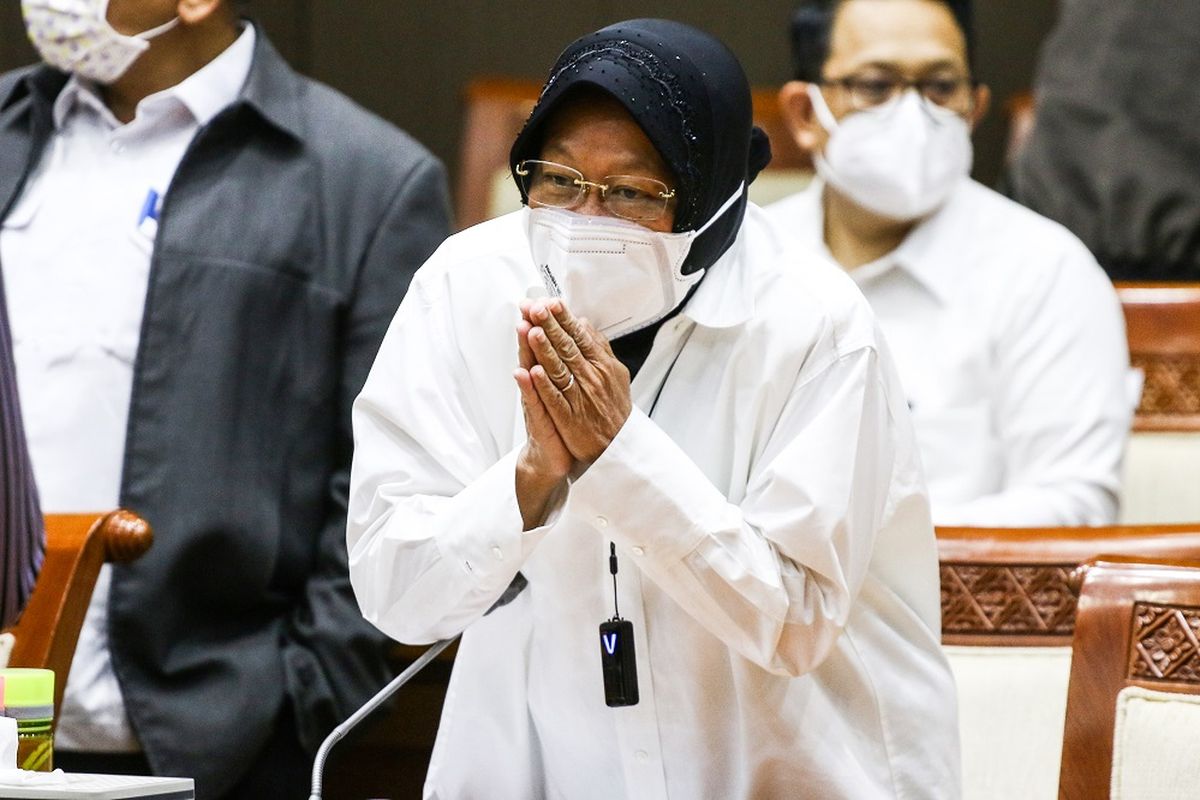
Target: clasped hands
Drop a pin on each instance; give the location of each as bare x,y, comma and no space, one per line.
575,396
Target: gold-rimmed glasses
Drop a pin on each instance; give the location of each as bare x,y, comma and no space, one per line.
632,197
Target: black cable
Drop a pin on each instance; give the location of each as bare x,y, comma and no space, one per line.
612,568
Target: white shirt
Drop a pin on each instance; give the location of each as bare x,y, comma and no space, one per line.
76,251
777,557
1010,342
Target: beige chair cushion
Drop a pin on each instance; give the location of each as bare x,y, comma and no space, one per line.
1156,745
503,194
1012,703
1160,479
776,184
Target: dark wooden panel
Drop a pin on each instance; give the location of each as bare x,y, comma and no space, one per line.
287,23
412,62
15,50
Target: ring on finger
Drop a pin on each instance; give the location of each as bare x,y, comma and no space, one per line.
570,383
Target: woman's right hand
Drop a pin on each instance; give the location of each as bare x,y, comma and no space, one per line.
544,462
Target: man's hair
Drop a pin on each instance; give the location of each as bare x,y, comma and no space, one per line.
812,28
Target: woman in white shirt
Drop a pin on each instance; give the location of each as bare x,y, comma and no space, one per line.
756,481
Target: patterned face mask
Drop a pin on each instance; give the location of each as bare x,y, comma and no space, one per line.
74,36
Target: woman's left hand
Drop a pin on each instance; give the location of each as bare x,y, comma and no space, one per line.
583,386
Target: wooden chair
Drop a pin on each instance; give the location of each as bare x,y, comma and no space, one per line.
77,545
1163,327
1009,600
1133,709
1020,112
496,109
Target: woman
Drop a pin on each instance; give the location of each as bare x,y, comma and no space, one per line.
745,521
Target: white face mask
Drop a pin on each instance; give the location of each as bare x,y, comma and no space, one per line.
620,275
901,160
74,36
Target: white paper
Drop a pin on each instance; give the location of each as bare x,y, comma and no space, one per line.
11,776
8,743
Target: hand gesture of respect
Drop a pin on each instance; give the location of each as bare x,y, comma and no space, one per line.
575,396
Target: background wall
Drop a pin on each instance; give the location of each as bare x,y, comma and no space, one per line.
409,60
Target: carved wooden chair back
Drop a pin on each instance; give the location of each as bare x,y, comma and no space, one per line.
77,545
1009,600
496,109
1133,708
1162,323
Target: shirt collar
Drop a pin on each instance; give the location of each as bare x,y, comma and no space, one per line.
725,296
204,93
931,253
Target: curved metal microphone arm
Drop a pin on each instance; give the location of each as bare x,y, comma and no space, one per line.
514,589
375,702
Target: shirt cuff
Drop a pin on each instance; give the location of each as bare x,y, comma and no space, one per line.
488,543
648,496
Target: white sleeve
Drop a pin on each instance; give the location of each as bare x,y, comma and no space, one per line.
434,532
1063,409
775,575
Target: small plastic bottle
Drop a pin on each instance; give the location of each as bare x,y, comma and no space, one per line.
29,699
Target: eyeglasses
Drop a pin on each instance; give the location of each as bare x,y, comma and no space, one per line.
628,196
871,91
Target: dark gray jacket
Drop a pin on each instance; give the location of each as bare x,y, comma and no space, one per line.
286,242
1115,152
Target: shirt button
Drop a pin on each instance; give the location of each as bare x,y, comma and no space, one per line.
601,522
639,551
498,553
642,756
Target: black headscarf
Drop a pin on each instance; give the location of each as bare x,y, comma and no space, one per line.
688,93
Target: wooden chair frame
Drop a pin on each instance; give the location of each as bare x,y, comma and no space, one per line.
1162,325
77,545
1137,626
1019,586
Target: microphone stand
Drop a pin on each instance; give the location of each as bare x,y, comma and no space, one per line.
514,589
375,702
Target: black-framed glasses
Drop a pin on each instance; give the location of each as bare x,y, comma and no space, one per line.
632,197
871,91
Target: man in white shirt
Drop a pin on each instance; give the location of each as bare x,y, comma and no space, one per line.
1008,337
747,514
201,251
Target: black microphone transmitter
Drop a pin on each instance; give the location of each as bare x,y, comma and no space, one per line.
619,661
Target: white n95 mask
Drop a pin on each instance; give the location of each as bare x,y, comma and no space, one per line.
901,160
74,36
620,275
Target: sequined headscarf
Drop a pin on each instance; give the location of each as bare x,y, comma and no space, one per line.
688,93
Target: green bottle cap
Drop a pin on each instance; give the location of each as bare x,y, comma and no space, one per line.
28,688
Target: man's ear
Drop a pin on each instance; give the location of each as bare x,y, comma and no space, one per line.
797,110
982,102
192,12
